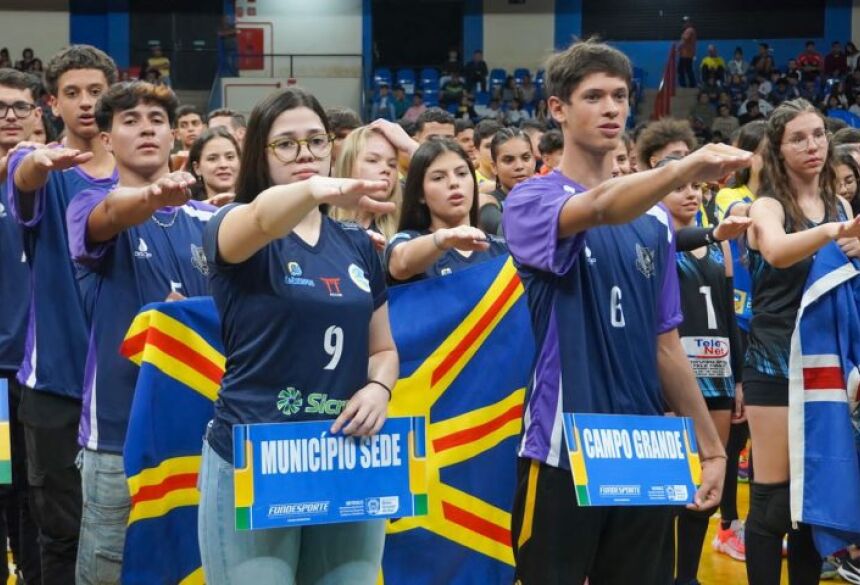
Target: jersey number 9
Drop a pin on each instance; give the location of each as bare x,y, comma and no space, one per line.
333,345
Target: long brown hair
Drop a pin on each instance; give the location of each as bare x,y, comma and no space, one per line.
775,182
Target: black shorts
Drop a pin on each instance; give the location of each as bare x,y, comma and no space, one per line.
720,403
760,390
556,542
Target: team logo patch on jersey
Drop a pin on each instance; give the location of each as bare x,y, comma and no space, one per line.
289,401
198,260
142,250
332,285
645,261
358,277
294,276
591,260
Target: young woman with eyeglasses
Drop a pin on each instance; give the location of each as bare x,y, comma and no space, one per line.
303,305
796,213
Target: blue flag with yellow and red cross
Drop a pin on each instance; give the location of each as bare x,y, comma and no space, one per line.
466,351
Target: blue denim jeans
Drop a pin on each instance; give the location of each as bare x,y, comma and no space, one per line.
106,504
331,554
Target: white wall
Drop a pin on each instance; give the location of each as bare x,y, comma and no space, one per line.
322,27
46,32
518,35
855,21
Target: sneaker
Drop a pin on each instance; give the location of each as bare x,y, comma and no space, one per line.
730,541
828,568
850,570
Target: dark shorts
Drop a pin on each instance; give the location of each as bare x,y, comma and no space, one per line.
556,542
720,403
764,391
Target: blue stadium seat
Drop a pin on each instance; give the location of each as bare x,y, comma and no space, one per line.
429,74
482,98
381,74
539,79
520,74
497,78
406,78
851,119
452,108
431,98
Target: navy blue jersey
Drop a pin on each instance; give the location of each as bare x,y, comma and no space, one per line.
707,328
451,261
295,323
56,344
141,265
14,288
598,300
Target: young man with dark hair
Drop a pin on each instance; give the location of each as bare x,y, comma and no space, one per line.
476,72
483,136
434,123
40,184
138,243
596,256
189,125
19,119
231,119
464,134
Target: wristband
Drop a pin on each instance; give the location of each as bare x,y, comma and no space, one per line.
387,389
709,237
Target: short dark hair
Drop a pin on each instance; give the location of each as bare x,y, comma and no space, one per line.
196,151
437,115
415,214
462,124
237,120
658,134
254,175
485,129
845,135
408,126
128,94
14,79
551,141
566,70
188,110
342,119
78,57
533,125
834,125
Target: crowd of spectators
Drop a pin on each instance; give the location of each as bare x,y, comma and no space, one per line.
467,91
734,92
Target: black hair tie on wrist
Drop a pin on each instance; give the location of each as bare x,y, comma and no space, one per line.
378,383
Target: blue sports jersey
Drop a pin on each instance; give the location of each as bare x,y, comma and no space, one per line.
141,265
598,301
451,261
295,322
56,342
14,288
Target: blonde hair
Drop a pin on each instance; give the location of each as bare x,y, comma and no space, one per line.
345,167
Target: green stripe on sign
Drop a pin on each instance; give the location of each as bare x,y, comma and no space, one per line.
5,472
582,495
243,518
419,502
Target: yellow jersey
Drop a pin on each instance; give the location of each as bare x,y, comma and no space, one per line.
727,197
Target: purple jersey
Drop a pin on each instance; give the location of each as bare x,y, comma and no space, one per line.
56,342
598,301
141,265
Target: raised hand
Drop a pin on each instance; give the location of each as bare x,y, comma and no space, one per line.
173,189
464,237
712,162
59,159
731,227
846,229
396,135
351,193
221,199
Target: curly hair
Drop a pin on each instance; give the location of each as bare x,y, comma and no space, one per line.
659,134
78,57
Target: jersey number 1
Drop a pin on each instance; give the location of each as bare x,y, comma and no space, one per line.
333,345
